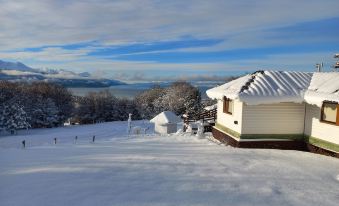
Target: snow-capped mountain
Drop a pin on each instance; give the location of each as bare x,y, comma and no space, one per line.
14,66
20,72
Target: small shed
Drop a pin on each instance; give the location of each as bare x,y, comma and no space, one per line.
165,122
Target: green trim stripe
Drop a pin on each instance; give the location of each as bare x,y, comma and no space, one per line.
227,130
309,139
259,136
273,136
322,143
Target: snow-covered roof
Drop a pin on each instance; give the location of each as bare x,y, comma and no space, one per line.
323,86
265,87
165,118
230,89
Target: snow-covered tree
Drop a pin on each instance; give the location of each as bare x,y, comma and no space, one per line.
44,113
13,117
149,102
60,96
103,106
180,97
45,104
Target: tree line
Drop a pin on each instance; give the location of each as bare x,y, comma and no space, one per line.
35,105
45,105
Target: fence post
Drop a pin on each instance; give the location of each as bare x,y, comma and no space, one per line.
75,139
55,140
23,144
93,139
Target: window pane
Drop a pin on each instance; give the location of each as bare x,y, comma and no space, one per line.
330,112
230,106
225,105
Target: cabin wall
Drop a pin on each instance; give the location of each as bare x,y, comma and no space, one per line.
317,129
282,118
160,129
227,120
171,128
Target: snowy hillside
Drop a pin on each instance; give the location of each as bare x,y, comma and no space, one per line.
156,170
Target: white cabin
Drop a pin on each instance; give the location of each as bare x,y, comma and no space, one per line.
279,109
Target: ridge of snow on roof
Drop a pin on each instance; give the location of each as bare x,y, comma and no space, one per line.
265,87
323,86
165,118
230,89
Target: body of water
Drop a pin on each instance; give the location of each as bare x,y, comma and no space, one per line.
131,90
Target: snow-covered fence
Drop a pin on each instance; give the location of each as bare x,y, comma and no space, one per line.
77,135
129,123
136,130
207,118
55,140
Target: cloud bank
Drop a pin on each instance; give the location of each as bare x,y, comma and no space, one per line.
163,37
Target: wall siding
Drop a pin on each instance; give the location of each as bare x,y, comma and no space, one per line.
227,120
283,118
317,129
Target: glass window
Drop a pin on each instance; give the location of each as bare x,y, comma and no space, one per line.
228,106
329,112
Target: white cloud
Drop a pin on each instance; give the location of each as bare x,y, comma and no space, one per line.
242,24
47,54
127,70
29,23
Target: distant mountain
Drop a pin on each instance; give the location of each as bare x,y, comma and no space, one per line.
84,74
14,66
20,72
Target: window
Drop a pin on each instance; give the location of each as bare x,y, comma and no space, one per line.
228,106
330,113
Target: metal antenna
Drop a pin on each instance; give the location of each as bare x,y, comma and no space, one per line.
318,67
336,65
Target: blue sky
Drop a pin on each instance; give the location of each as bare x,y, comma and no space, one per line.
159,40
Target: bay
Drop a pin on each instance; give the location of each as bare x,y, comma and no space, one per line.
129,91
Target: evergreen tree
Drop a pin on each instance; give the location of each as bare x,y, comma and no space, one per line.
13,117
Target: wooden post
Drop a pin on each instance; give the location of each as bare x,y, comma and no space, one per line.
93,139
55,140
23,144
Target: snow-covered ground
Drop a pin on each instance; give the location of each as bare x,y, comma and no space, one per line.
156,170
